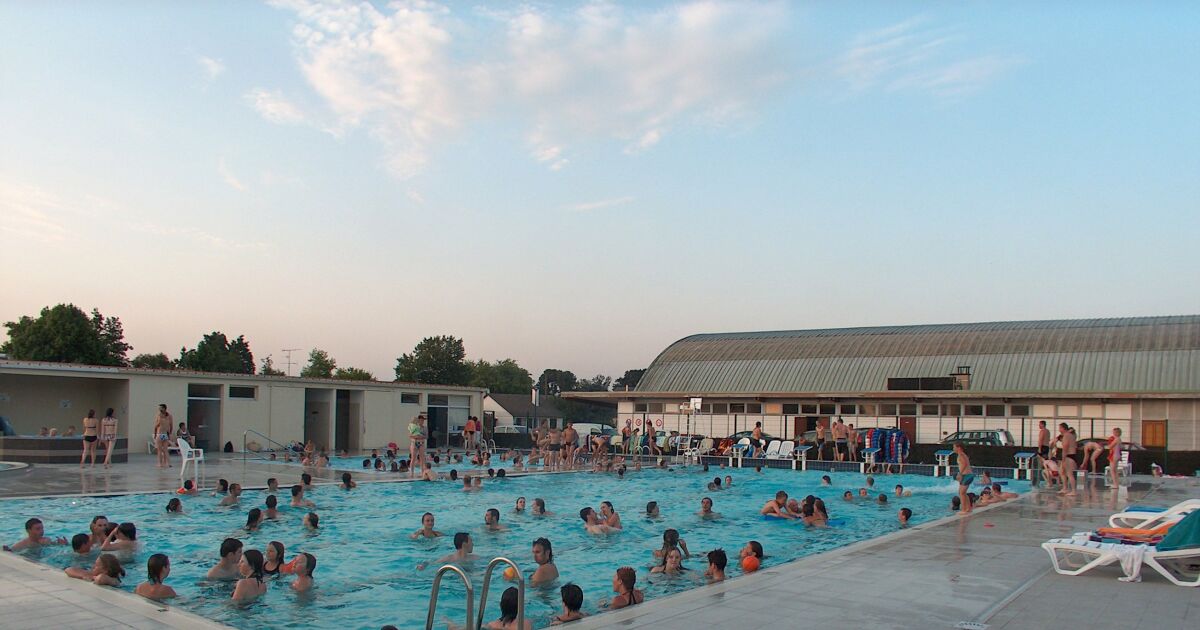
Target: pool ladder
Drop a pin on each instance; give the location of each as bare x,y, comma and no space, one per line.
476,623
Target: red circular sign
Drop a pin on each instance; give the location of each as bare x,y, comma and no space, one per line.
658,422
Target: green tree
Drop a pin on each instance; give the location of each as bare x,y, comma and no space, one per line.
553,382
158,361
215,353
268,368
435,360
502,377
65,334
598,383
353,374
629,380
320,365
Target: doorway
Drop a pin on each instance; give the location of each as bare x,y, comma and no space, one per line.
908,426
204,415
348,429
318,405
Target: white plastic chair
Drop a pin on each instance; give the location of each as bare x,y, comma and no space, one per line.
773,449
743,447
189,454
701,449
786,448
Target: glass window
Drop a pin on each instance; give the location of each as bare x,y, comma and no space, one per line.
929,410
1018,411
410,399
737,407
656,407
720,408
866,410
791,409
438,400
887,410
753,407
972,410
908,409
828,409
705,407
243,392
849,410
995,410
639,407
809,409
951,410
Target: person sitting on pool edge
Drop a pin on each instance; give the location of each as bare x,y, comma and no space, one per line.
777,507
35,537
306,563
227,566
592,523
572,599
716,565
158,567
427,530
298,499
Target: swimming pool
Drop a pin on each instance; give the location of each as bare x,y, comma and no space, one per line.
354,465
367,576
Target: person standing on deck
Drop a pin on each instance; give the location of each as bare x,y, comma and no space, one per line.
964,478
162,435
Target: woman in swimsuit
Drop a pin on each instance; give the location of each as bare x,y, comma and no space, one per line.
416,437
108,435
91,433
273,564
623,585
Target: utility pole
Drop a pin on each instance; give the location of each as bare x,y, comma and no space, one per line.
288,352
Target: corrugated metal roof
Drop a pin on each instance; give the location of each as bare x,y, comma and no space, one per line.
1139,354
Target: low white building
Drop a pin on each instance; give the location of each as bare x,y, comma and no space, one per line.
225,408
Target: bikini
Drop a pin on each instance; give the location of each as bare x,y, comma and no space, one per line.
86,428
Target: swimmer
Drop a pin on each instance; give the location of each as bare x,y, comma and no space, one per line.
826,481
543,555
777,507
158,567
35,537
848,496
235,492
222,487
870,481
572,599
306,481
985,480
106,571
81,544
609,515
272,485
272,512
298,499
672,541
254,519
123,538
250,586
728,481
348,483
592,523
863,494
99,531
623,585
901,492
311,521
652,509
227,566
189,488
716,566
477,483
904,515
539,508
427,530
273,563
881,499
520,507
998,493
463,546
672,564
491,521
706,509
306,563
427,473
752,548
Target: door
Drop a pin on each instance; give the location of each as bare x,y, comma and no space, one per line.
908,426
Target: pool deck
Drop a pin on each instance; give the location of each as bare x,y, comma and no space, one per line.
986,568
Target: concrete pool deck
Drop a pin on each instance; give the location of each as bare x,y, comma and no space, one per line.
986,568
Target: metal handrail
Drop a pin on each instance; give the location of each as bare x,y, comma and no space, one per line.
483,593
247,432
437,585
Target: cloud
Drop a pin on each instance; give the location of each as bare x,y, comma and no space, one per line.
596,205
272,106
228,176
413,73
29,212
202,237
911,55
212,68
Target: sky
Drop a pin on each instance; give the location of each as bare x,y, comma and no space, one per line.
578,185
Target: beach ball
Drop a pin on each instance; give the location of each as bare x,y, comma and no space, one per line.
750,564
510,573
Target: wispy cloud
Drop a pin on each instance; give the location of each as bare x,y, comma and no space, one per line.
228,176
913,55
212,68
596,205
413,73
272,106
202,237
29,212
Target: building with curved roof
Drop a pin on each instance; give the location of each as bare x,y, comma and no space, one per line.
1141,374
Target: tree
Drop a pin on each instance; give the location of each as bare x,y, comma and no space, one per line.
320,365
629,380
353,374
598,383
502,377
554,382
158,361
65,334
215,353
435,360
268,368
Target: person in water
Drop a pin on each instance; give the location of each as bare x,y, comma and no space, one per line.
706,509
235,491
123,538
227,566
251,586
777,507
348,482
539,508
298,499
520,507
624,585
427,530
671,540
672,564
463,546
609,516
306,563
254,519
106,571
491,521
592,523
543,556
158,567
273,563
716,566
572,599
272,512
35,536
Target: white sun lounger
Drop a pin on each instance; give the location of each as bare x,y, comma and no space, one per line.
773,449
1139,519
785,450
1073,556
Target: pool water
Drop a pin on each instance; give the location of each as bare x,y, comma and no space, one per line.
367,572
354,465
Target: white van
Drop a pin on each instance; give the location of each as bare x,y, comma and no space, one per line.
587,429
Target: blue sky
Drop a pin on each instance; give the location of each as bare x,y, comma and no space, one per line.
578,185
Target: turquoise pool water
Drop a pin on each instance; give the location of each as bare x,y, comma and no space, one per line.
367,572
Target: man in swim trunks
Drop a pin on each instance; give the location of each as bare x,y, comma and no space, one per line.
964,477
543,555
162,435
706,509
820,441
555,449
1069,464
570,441
35,537
1043,441
491,521
840,435
463,546
776,507
756,439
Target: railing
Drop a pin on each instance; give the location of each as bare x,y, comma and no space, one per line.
483,593
245,451
437,585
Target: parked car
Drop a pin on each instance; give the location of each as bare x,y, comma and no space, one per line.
736,437
512,436
984,437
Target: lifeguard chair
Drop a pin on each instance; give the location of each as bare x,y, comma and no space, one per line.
1024,463
943,460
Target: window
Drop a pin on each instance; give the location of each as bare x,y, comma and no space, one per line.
791,409
887,410
438,400
809,409
1018,411
929,410
828,409
656,407
705,407
995,411
972,410
753,407
866,410
952,410
410,399
639,407
737,407
849,410
243,392
720,408
908,409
